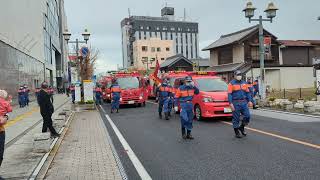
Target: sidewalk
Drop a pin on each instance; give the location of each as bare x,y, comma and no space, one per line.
85,152
19,158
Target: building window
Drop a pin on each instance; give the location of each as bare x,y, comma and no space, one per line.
148,27
162,59
145,48
188,29
158,49
167,49
164,28
158,28
153,49
172,29
141,27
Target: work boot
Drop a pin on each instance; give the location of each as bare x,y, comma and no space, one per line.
189,136
55,135
166,115
184,136
160,115
111,111
169,114
242,130
237,134
117,110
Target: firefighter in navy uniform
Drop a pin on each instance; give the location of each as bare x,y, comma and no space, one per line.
240,99
164,94
252,91
115,96
98,92
184,96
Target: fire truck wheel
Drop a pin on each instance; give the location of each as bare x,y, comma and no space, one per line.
197,112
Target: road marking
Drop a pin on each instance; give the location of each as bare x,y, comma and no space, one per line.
152,102
132,156
280,137
21,117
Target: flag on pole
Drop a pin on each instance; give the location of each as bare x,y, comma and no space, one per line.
156,76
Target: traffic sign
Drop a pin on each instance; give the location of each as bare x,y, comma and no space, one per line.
84,51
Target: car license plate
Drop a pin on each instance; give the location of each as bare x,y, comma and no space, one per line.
131,102
227,110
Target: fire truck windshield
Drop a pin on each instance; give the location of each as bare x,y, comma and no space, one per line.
211,85
128,82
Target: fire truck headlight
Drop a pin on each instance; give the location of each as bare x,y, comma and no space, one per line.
207,99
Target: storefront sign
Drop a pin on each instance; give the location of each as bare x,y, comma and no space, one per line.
77,92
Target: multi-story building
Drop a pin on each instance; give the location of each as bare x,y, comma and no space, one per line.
183,33
31,43
146,52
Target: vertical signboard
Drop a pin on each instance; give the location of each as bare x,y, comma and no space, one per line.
88,90
77,92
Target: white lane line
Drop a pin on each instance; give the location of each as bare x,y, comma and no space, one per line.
132,156
152,102
290,113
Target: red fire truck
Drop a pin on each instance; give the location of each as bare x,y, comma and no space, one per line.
133,88
213,98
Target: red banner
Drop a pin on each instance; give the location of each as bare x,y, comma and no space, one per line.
156,76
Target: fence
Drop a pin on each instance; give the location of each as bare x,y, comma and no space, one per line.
293,94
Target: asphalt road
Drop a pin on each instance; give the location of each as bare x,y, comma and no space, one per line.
215,153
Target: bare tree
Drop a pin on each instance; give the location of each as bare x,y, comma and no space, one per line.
87,64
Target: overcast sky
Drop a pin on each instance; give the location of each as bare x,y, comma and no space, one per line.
215,17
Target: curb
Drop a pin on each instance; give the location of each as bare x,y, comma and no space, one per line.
54,146
290,113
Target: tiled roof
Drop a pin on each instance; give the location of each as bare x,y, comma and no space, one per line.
173,59
231,38
296,43
243,67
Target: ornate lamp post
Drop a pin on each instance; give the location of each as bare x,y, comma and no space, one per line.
271,13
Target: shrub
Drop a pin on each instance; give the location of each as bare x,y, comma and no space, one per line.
272,99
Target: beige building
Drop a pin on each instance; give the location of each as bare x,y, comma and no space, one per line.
146,52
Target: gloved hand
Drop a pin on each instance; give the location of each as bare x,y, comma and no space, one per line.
192,84
176,108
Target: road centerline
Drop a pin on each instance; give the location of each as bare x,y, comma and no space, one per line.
279,136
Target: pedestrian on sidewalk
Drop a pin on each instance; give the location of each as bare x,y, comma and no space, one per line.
21,97
116,95
184,95
73,91
46,110
26,94
37,91
240,99
5,108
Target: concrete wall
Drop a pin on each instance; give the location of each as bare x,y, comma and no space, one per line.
22,26
213,58
238,53
287,77
138,54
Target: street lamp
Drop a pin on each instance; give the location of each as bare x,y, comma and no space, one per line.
67,36
271,13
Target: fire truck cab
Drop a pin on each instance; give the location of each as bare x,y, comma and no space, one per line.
133,88
212,101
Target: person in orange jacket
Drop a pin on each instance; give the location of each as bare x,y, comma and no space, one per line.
5,108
